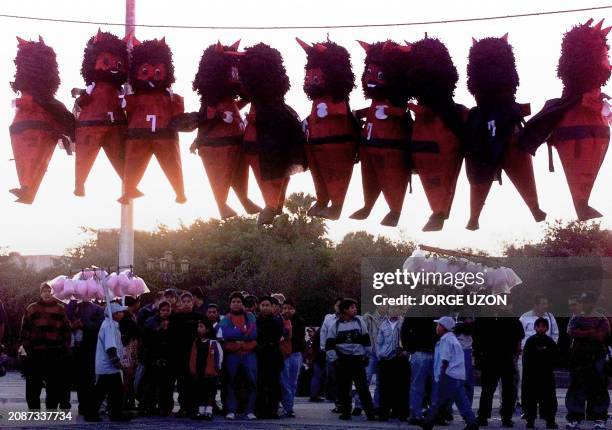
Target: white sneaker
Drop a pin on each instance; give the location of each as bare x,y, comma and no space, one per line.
251,417
600,425
572,425
230,416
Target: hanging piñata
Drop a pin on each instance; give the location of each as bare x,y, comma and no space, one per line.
101,121
385,136
577,124
439,126
493,126
40,120
331,130
220,127
273,139
150,109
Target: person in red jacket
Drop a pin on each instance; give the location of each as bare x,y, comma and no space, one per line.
40,120
493,126
331,130
220,127
438,132
149,111
385,137
101,121
273,138
577,123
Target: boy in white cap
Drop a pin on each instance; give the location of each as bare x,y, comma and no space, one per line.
109,384
449,376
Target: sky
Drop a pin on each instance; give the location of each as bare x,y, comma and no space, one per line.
51,224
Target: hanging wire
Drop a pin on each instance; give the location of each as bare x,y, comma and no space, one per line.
310,27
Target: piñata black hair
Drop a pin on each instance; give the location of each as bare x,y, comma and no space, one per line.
98,44
335,62
36,70
580,66
151,52
263,74
491,70
431,75
212,81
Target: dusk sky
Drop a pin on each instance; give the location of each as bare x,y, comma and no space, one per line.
52,223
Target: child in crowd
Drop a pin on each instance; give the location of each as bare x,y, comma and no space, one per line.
449,376
205,365
538,383
109,383
158,395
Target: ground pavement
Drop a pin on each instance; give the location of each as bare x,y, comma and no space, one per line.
310,416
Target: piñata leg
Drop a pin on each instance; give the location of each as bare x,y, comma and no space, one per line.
240,184
168,155
581,162
393,175
138,153
481,178
88,143
371,187
273,191
336,161
438,174
518,166
32,150
114,148
313,155
219,163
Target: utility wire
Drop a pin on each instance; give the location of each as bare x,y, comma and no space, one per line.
310,27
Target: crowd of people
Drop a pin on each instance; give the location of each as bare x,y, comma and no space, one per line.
134,355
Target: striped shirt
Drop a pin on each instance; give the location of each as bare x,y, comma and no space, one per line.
45,326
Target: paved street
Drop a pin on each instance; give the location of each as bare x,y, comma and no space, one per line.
310,416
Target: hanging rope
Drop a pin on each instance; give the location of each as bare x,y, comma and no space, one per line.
310,27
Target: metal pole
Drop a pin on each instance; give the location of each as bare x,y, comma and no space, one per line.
126,233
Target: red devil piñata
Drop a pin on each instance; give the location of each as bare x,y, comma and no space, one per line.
439,126
273,139
577,124
40,120
493,125
220,127
331,130
101,121
149,111
385,137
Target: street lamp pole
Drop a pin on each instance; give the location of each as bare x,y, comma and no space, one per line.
126,233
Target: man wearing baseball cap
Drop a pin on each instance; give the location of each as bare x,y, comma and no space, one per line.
109,351
449,376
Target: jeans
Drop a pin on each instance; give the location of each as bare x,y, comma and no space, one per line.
421,374
588,387
318,379
331,384
371,370
469,376
241,365
448,391
289,380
